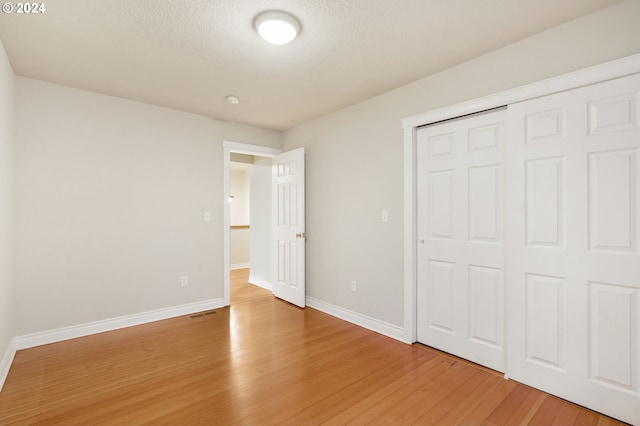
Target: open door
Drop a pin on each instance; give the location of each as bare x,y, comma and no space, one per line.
289,227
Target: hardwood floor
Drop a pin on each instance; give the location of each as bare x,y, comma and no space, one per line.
263,361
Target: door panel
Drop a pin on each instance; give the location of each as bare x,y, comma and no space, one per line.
289,227
611,219
573,258
545,310
485,305
545,202
460,267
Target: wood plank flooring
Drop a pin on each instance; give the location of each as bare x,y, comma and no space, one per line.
264,361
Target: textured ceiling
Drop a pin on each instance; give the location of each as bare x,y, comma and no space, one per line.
190,54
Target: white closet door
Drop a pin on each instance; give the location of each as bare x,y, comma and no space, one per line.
460,241
573,256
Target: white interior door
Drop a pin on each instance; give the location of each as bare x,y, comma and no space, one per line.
289,227
460,239
574,254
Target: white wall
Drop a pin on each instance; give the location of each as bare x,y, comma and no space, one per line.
239,187
6,205
110,196
354,156
261,242
239,248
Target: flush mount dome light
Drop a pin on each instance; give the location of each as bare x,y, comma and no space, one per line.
277,27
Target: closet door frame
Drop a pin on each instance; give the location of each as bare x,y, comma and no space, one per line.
596,74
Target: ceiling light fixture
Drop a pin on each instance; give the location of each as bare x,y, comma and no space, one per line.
233,99
277,27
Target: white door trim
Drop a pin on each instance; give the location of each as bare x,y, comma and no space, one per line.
595,74
239,148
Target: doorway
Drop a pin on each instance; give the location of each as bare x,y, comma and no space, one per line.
240,205
250,230
260,199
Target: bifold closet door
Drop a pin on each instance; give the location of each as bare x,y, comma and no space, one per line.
460,238
573,257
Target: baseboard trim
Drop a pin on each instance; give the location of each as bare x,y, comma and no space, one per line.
66,333
356,318
242,265
260,283
6,362
81,330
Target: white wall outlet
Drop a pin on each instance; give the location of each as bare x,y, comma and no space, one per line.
207,216
184,281
354,286
384,217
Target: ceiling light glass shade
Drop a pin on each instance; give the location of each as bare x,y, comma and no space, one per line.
277,27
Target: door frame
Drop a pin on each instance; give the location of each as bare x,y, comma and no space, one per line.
595,74
237,148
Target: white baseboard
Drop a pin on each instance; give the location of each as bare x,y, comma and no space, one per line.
364,321
5,364
240,265
60,334
260,283
81,330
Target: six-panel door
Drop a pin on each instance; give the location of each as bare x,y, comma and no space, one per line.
460,237
572,249
289,226
573,260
